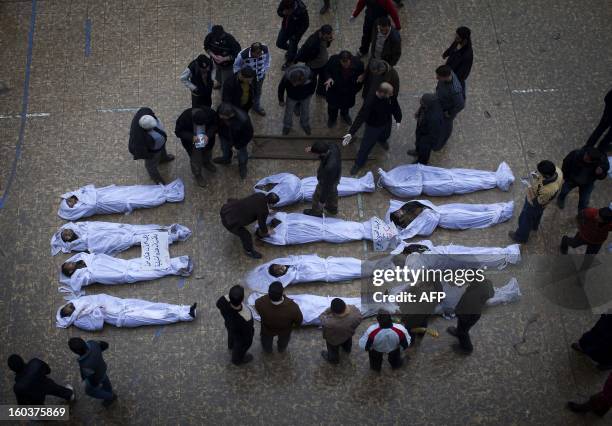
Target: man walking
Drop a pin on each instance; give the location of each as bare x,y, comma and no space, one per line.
430,121
197,77
239,89
374,9
236,132
294,25
384,337
342,85
581,168
236,215
299,85
315,55
239,324
605,123
93,369
339,323
279,315
450,94
594,225
386,42
196,128
223,49
328,178
599,404
32,384
257,57
597,342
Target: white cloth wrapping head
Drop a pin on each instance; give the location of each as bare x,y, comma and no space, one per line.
91,312
451,216
119,199
291,189
110,238
411,180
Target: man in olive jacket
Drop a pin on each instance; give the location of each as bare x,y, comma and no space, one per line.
339,323
328,178
239,324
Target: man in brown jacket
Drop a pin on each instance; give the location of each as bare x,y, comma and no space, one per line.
279,315
339,323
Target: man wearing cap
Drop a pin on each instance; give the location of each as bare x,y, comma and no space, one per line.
328,178
339,323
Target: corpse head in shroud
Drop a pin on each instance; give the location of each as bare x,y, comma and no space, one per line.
72,200
68,268
415,248
407,213
67,310
68,235
277,270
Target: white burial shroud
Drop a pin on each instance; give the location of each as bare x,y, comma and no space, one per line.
291,189
119,199
304,268
411,180
108,270
91,312
451,216
109,238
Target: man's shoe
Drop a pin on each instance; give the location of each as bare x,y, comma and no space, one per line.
216,85
167,159
564,245
325,356
331,123
576,346
73,396
210,167
260,111
311,212
385,145
254,254
109,402
452,331
332,212
246,359
307,130
355,170
461,350
347,119
200,180
221,160
193,310
242,170
401,362
286,130
561,203
512,236
576,407
412,153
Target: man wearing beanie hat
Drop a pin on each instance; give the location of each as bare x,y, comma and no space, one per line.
32,384
279,315
148,142
197,77
593,228
328,178
239,324
339,323
545,186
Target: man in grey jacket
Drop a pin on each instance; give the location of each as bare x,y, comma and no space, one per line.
300,86
450,94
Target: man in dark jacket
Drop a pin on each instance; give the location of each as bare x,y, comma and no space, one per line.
581,168
239,90
197,77
294,25
374,9
468,311
93,368
315,55
604,124
339,323
386,42
597,342
223,49
377,72
459,56
236,215
430,121
236,131
279,315
450,94
342,85
328,178
32,384
239,324
148,141
376,113
196,128
300,86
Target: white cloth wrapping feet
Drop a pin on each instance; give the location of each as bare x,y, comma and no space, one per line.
108,270
451,216
508,293
411,180
109,238
91,312
119,199
304,268
291,189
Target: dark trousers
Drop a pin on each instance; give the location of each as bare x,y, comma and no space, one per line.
245,236
598,404
330,204
288,41
376,359
198,101
104,390
576,241
423,150
198,158
464,323
152,165
584,193
604,124
371,136
528,221
445,133
226,149
333,351
366,36
239,347
49,387
317,75
281,344
332,112
223,72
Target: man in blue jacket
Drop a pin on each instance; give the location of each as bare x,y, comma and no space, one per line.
93,368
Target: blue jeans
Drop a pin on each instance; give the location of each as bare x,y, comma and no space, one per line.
584,193
257,95
103,391
226,149
528,221
371,136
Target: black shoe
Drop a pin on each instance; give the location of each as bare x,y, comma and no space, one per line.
307,130
193,310
564,245
167,159
332,212
210,167
385,145
399,365
260,111
561,203
412,153
242,169
286,130
325,356
221,160
246,359
311,212
452,331
109,402
355,169
254,254
200,180
576,346
577,408
347,119
331,123
512,236
462,350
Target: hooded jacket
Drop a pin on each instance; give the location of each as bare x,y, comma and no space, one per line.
223,44
342,93
28,385
184,128
140,142
297,23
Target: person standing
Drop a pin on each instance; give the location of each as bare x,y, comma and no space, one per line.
600,403
581,168
385,337
223,48
339,323
197,77
378,72
236,132
239,324
450,94
300,86
315,55
342,85
374,9
468,311
386,42
294,25
430,121
256,57
93,368
236,215
239,90
459,56
597,342
544,187
148,141
376,113
279,315
594,225
328,178
605,123
196,128
32,384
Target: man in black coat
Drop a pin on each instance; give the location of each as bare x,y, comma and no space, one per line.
196,128
430,121
315,55
93,368
294,25
239,90
342,85
604,124
148,141
197,77
32,384
581,168
597,342
239,324
386,42
223,49
328,178
237,214
459,56
236,131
